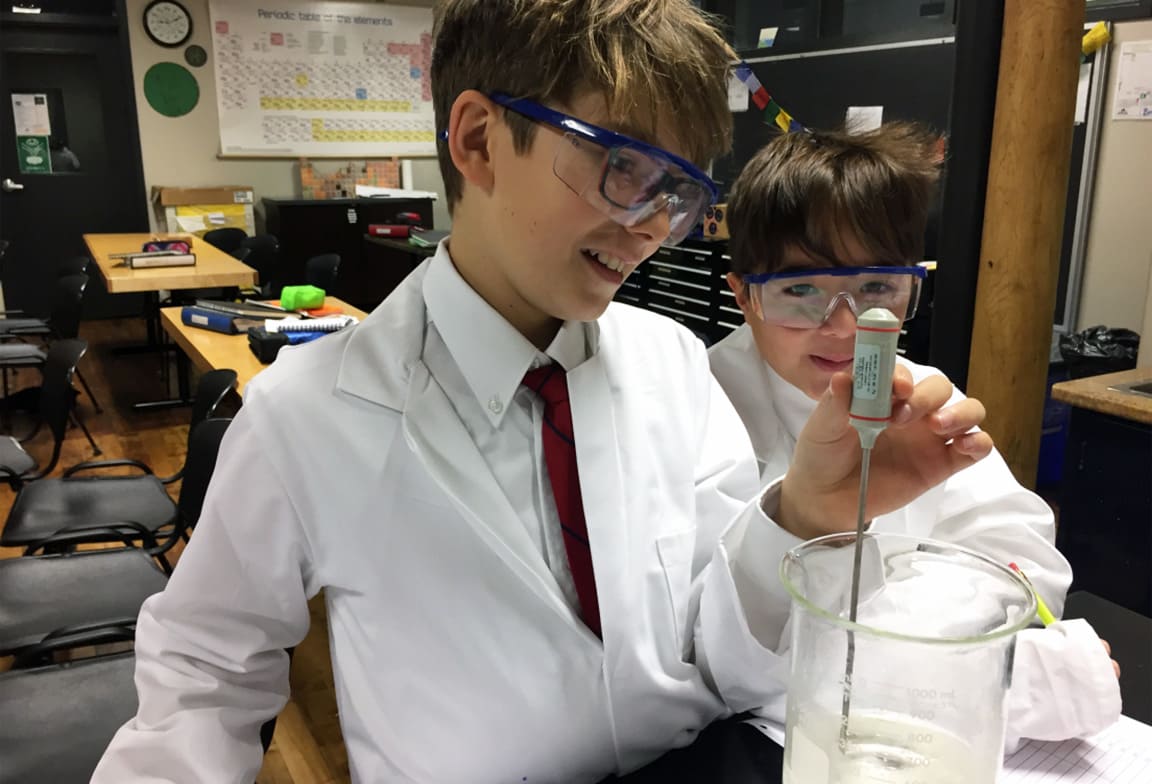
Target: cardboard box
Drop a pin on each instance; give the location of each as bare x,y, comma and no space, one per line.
199,210
221,194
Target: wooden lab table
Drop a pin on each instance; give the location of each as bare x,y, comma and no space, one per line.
213,269
1105,394
211,350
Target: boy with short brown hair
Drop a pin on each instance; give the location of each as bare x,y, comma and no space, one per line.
653,64
828,224
519,497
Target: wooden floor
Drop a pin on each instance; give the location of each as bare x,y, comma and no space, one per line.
307,747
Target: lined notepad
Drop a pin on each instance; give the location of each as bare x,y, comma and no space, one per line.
1121,754
326,324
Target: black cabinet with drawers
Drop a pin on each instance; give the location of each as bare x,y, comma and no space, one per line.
368,271
686,283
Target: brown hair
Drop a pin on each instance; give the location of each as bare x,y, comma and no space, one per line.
807,189
652,60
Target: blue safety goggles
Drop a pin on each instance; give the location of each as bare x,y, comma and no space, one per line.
806,298
626,179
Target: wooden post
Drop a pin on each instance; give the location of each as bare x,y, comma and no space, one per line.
1023,223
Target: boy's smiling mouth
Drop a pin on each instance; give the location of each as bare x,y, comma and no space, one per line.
832,362
611,262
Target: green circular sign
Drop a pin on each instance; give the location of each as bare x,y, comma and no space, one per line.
195,56
171,89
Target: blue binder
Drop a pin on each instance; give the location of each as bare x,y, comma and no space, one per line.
207,319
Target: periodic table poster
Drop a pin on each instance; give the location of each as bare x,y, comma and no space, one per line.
327,79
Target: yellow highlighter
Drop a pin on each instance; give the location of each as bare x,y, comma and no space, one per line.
1046,616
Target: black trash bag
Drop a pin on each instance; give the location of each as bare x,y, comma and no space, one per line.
1098,350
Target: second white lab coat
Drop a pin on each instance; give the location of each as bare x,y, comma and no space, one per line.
456,657
1063,682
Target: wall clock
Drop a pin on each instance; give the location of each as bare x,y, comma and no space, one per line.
167,22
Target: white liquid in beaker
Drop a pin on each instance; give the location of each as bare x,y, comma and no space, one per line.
883,748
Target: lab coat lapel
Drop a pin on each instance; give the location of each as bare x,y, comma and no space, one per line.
594,412
745,378
779,446
435,433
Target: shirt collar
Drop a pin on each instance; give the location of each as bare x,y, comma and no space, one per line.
492,356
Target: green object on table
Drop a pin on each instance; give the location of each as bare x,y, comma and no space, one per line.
300,297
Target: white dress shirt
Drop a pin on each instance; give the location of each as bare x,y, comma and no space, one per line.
479,360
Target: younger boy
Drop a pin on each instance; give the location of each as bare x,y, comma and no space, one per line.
825,225
511,493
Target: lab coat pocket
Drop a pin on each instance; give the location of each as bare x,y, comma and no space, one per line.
676,552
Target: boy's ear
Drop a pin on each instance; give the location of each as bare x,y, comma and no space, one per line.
736,283
470,125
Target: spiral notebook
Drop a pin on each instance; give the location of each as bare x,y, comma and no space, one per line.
1121,754
326,324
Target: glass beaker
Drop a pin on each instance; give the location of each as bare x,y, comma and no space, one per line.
932,651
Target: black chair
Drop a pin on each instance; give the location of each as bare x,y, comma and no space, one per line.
77,265
62,323
55,405
264,256
262,253
53,593
56,720
124,503
322,271
227,239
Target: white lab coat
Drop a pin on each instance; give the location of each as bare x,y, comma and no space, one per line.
1063,683
456,657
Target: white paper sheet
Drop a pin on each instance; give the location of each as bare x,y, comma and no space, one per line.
737,94
1121,754
861,119
395,193
1133,99
30,112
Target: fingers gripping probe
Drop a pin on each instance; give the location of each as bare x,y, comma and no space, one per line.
873,365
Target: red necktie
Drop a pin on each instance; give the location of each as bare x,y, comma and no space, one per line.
560,456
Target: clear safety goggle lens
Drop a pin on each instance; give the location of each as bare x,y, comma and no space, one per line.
630,186
809,300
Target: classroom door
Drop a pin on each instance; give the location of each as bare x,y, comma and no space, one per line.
69,156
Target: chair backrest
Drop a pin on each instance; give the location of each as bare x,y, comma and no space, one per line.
210,391
203,447
65,317
264,253
321,271
226,239
77,265
56,395
240,254
262,243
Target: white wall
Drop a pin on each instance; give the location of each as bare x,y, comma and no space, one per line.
182,151
1119,253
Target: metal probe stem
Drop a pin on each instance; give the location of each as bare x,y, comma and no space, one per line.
846,704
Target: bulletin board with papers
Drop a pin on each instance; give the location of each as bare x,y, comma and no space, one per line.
328,79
